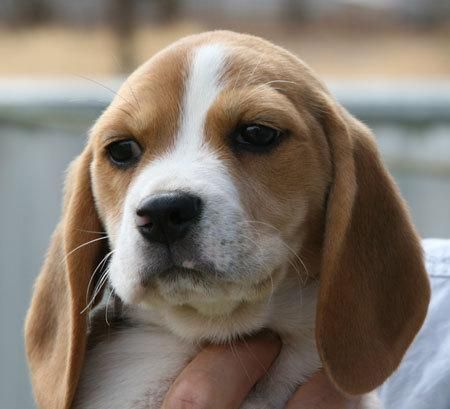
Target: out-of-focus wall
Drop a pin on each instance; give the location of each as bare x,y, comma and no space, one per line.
96,11
32,164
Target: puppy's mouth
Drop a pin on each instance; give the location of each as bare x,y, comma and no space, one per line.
188,283
175,273
218,311
198,302
203,291
179,284
187,276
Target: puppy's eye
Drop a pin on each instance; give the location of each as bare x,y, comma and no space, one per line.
124,153
256,137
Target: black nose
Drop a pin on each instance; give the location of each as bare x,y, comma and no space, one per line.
167,217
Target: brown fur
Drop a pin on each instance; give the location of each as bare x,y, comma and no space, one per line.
55,330
357,235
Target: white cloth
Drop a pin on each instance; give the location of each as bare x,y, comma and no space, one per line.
423,378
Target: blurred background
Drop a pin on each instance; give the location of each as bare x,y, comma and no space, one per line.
387,61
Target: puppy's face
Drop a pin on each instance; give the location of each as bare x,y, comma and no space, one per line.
210,173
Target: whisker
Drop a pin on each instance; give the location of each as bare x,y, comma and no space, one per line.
300,279
126,112
260,87
98,287
100,284
272,290
255,68
283,242
280,82
103,86
233,88
98,268
132,93
266,269
92,231
251,74
81,246
111,291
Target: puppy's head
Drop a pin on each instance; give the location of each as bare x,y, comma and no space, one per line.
219,162
207,168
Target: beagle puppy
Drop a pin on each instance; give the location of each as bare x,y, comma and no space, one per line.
224,191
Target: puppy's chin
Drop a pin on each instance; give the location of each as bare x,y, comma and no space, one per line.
209,310
219,324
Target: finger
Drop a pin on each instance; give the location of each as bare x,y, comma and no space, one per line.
320,393
222,376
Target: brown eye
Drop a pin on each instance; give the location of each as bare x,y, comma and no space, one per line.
124,153
256,138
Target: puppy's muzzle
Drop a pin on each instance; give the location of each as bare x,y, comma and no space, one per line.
168,217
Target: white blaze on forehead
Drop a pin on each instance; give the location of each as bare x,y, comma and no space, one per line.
190,163
202,89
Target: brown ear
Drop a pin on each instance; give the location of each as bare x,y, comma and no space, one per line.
55,329
374,290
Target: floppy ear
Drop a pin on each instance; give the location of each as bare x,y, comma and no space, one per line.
374,290
55,328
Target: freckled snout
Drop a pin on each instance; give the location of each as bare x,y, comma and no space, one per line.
168,217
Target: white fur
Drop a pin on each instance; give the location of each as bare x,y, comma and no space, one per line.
132,369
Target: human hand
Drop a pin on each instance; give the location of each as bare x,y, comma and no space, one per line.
221,376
